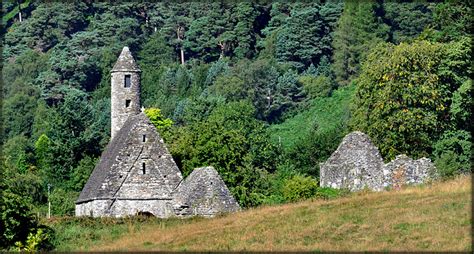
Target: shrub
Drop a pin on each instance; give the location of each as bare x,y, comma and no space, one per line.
19,227
330,193
62,202
448,164
277,181
41,240
299,187
452,153
316,86
157,118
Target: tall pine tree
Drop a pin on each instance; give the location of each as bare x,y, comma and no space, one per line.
359,29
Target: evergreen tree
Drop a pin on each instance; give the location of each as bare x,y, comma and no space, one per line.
306,35
407,20
359,29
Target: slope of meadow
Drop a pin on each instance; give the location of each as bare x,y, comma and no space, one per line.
432,217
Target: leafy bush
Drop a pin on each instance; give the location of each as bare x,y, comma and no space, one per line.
316,86
330,193
157,119
19,227
41,240
300,187
277,181
62,202
448,164
452,153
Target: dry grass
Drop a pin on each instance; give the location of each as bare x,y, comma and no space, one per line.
428,218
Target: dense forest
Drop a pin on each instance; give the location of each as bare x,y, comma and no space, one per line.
261,91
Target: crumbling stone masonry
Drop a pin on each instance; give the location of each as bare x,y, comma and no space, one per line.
357,164
408,171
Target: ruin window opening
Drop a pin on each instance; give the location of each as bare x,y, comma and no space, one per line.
144,168
144,138
127,103
127,81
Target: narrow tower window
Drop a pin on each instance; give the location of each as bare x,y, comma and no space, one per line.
127,103
127,81
144,138
143,167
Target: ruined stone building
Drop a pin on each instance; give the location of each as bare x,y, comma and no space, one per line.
136,173
357,164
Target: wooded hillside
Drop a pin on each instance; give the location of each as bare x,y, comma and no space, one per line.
261,91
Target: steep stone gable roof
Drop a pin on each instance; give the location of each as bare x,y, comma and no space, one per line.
126,62
356,147
121,154
204,193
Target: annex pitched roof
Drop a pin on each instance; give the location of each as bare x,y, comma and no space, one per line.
203,193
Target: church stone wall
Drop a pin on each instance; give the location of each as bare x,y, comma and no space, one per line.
356,164
146,170
125,207
158,207
94,208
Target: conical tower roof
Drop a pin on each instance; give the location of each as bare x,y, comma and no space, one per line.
203,193
126,62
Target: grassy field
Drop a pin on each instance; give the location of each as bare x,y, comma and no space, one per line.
433,217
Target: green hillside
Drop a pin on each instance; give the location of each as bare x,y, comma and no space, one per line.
326,112
433,217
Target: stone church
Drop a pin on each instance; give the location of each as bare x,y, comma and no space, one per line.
136,174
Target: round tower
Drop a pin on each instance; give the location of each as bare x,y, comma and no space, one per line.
125,90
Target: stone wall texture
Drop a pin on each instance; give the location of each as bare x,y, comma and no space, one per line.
357,164
408,171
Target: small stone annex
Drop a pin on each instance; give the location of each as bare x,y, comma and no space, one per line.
357,164
136,173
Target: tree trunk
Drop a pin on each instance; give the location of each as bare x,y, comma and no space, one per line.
19,10
222,46
179,30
